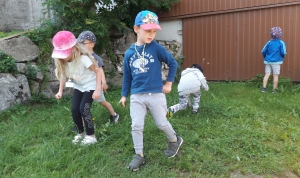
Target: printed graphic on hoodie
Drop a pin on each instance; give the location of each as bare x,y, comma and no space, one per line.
140,63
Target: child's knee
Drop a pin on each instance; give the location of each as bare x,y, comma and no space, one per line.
137,127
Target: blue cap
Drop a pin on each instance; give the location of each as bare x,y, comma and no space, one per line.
147,20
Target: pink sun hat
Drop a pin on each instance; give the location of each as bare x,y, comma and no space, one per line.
63,41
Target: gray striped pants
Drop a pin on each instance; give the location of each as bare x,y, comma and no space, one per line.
184,101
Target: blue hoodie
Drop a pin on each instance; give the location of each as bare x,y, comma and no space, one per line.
274,51
145,76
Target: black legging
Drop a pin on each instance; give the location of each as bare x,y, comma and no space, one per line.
81,105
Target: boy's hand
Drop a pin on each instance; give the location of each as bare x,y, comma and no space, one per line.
104,87
167,87
123,101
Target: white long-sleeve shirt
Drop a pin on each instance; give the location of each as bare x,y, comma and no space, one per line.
191,80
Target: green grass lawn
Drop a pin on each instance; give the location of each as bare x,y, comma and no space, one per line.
238,131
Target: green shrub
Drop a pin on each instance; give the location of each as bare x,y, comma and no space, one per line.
7,64
30,73
107,20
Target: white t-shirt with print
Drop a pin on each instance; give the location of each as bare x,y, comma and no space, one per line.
84,79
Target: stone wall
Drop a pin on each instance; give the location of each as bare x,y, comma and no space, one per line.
15,89
21,14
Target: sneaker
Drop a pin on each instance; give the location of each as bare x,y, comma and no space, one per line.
173,147
88,140
264,90
195,111
136,162
77,138
169,113
114,119
275,91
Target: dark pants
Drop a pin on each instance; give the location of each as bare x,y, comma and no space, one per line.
81,105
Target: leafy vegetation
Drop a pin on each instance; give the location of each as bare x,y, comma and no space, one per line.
107,20
7,64
238,131
30,73
6,34
285,84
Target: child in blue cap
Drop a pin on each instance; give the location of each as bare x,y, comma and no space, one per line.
273,52
88,39
142,77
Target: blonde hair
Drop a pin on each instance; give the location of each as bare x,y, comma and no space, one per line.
62,65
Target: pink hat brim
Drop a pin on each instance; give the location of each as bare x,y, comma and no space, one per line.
61,54
151,26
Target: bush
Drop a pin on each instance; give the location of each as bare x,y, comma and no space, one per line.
7,64
107,18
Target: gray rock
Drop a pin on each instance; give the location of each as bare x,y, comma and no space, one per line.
51,89
51,73
120,45
22,49
112,75
39,74
13,90
22,67
35,87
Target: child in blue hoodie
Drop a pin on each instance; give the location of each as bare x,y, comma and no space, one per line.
143,80
273,52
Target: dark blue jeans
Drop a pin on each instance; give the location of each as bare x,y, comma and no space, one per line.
81,109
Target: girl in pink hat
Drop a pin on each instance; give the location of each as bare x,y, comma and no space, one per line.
77,68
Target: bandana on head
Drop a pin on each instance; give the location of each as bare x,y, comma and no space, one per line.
276,33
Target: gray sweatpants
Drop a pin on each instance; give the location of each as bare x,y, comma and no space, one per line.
139,105
185,99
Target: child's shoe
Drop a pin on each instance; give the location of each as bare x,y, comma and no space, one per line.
77,138
275,91
88,140
114,119
264,90
195,111
169,113
136,162
173,147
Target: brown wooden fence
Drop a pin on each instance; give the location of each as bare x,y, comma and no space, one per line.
227,36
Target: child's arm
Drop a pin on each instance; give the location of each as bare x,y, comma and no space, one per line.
204,85
123,101
203,82
166,57
265,49
104,85
127,79
283,49
62,83
167,87
98,71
